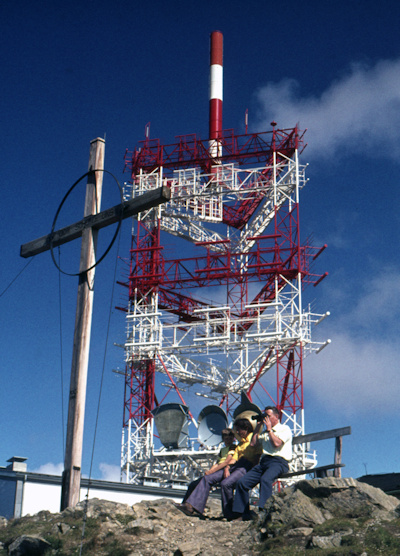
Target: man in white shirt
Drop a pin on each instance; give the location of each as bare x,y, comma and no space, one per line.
276,441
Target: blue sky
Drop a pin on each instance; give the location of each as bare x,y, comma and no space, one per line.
72,72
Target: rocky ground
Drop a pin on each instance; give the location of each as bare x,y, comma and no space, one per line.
320,516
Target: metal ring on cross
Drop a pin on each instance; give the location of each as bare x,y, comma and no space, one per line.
59,210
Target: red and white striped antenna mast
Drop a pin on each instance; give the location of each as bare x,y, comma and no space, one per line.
216,93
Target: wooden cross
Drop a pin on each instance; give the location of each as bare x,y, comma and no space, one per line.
87,228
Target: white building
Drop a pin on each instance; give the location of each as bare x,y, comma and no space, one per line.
23,492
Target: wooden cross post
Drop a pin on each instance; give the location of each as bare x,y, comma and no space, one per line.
87,229
71,478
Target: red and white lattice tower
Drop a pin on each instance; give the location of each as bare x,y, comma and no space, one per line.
215,284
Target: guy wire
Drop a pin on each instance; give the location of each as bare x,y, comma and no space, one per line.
61,355
19,273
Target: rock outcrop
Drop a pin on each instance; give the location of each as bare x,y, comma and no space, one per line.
334,516
28,544
311,503
331,513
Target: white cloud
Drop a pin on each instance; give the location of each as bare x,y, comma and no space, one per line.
355,376
50,469
380,304
372,310
110,472
358,372
361,110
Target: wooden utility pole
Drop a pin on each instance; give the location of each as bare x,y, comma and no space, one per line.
87,228
71,478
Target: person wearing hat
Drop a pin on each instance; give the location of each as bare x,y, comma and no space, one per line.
276,441
226,473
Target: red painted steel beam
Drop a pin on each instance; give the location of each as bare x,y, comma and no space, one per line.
191,151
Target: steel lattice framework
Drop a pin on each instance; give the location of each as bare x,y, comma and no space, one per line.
237,217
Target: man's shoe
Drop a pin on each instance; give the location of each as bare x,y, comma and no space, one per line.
235,517
250,516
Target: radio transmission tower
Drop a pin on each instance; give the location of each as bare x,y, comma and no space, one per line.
215,285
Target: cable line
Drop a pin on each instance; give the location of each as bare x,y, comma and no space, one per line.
61,355
19,273
116,233
100,392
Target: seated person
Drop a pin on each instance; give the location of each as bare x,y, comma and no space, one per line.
228,438
226,473
276,441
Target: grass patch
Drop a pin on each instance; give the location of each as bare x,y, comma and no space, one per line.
114,549
124,519
277,547
46,527
335,525
382,540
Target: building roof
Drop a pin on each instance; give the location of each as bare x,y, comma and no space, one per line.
388,482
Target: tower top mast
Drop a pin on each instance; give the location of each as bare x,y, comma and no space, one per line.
216,93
